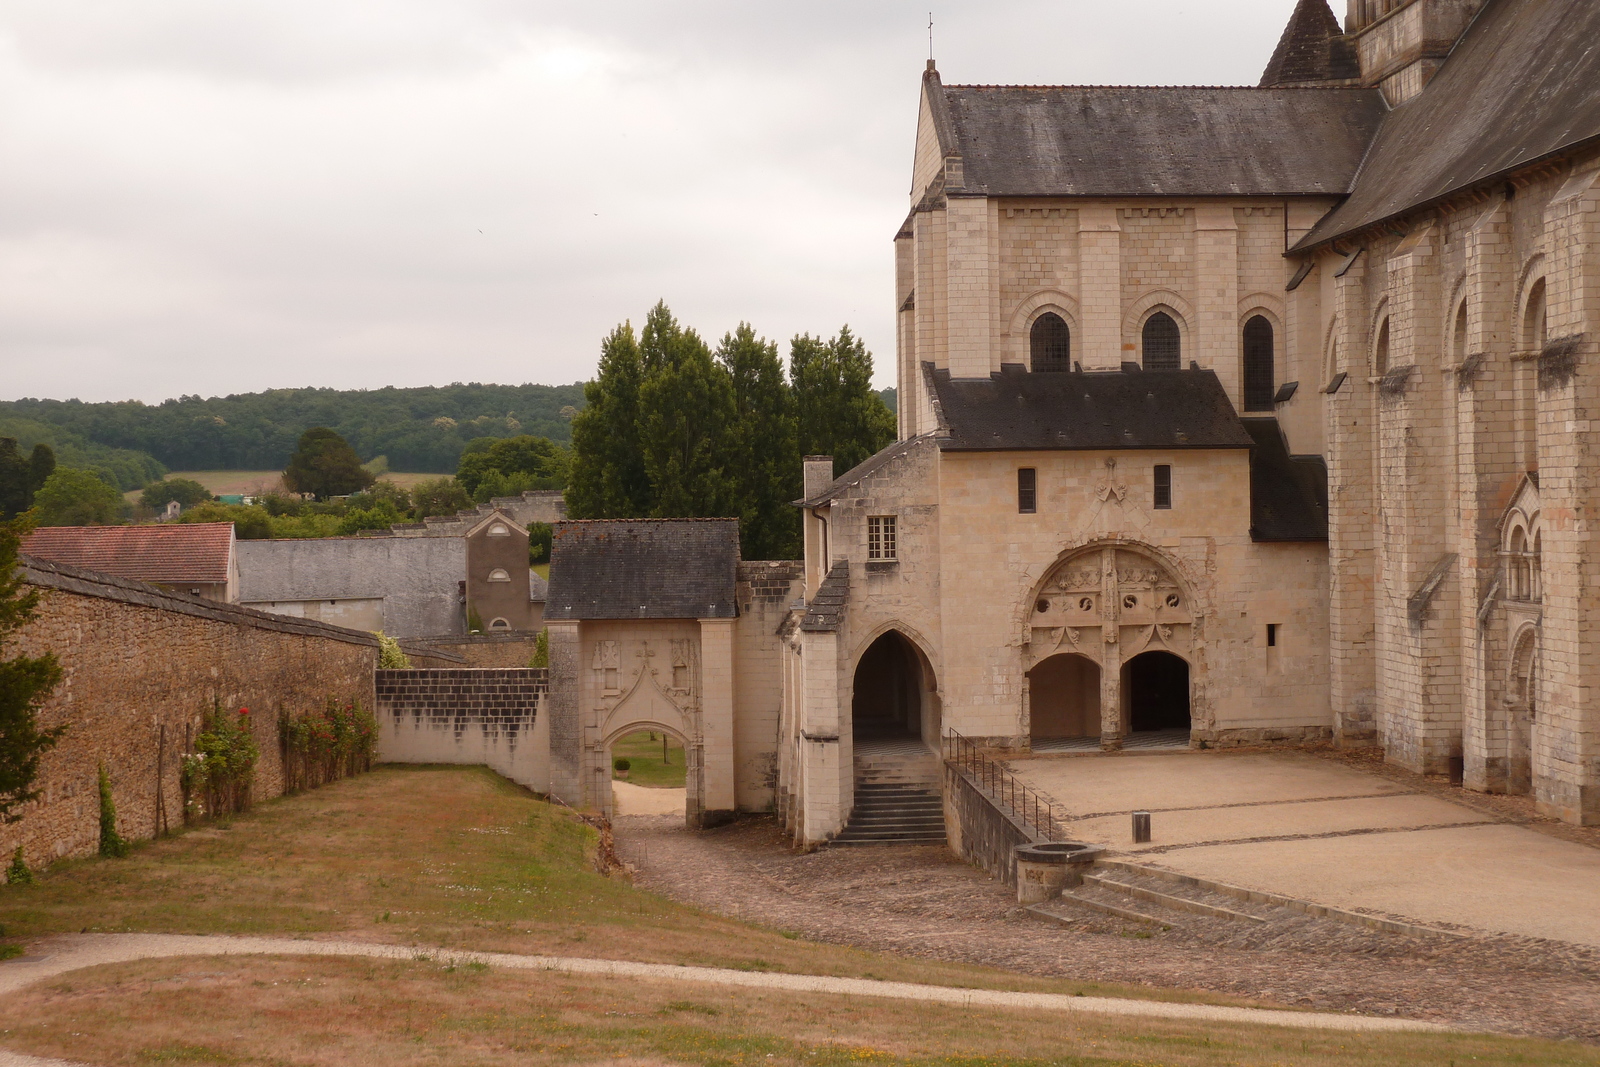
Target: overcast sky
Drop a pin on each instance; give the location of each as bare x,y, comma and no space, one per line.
219,196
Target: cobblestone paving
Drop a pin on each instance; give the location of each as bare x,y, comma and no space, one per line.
921,901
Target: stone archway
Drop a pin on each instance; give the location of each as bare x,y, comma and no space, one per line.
1112,603
1522,706
692,776
891,695
1156,691
1064,698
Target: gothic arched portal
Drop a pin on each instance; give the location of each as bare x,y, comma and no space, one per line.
888,692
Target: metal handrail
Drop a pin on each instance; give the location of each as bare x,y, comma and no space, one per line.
1003,787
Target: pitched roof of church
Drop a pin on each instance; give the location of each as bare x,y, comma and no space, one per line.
643,569
1097,140
1522,84
1312,50
1015,410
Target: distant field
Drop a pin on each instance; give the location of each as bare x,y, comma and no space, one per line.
229,482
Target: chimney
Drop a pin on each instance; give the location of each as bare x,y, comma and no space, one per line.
818,475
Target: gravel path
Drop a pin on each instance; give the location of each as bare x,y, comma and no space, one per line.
920,901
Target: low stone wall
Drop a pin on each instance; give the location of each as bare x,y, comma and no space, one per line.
427,656
504,650
979,831
482,716
141,669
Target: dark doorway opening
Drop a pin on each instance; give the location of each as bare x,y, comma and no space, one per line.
886,700
1064,698
1157,687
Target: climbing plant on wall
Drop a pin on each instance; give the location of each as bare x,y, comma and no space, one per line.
25,683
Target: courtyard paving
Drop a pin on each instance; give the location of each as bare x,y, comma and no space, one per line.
1314,828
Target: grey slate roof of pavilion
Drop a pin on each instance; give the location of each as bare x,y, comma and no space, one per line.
1522,84
1084,411
1132,141
643,569
1312,50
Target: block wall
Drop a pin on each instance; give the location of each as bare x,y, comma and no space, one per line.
466,715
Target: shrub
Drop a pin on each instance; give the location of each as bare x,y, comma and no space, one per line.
322,746
216,776
111,842
390,658
622,764
541,650
18,873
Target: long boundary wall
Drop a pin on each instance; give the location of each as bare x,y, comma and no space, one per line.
141,669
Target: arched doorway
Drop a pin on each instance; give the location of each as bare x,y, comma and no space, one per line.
1523,705
1064,698
1155,688
887,698
644,789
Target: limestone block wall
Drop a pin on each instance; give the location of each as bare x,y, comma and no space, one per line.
482,716
765,592
142,668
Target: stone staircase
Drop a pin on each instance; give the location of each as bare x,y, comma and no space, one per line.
898,799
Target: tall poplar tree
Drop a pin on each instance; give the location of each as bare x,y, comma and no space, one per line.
608,475
686,410
838,414
765,454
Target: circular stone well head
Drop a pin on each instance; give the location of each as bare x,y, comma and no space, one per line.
1051,852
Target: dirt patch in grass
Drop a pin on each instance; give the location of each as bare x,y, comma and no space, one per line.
358,1012
452,857
644,751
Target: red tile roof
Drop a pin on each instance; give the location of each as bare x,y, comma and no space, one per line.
178,552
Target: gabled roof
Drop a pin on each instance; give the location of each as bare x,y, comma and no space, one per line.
643,569
1312,50
871,465
1123,141
1522,84
1016,410
175,553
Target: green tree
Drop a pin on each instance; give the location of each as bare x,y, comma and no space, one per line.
608,473
72,497
438,496
186,491
540,537
250,522
762,442
686,409
325,465
838,414
111,843
21,478
538,459
25,683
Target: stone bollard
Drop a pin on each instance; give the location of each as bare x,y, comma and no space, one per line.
1141,827
1044,870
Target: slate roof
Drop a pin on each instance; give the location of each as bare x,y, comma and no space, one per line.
866,467
1288,494
1122,141
826,609
1015,410
1522,84
643,569
1312,50
178,553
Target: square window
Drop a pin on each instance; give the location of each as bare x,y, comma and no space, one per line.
1163,486
881,537
1027,490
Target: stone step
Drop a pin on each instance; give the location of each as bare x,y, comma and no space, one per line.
1170,901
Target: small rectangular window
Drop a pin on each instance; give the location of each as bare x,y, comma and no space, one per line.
881,537
1027,490
1272,635
1163,486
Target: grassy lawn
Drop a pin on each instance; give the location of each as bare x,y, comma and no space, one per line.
459,857
644,750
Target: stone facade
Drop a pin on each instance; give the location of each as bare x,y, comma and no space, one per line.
143,667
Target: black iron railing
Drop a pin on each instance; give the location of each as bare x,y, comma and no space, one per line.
1008,793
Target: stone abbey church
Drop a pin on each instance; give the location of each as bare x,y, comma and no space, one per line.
1226,415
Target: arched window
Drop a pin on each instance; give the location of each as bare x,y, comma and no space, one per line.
1460,339
1259,383
499,575
1536,568
500,624
499,530
1162,347
1050,343
1535,322
1380,351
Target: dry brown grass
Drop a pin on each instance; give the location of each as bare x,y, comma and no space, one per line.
235,1010
451,857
